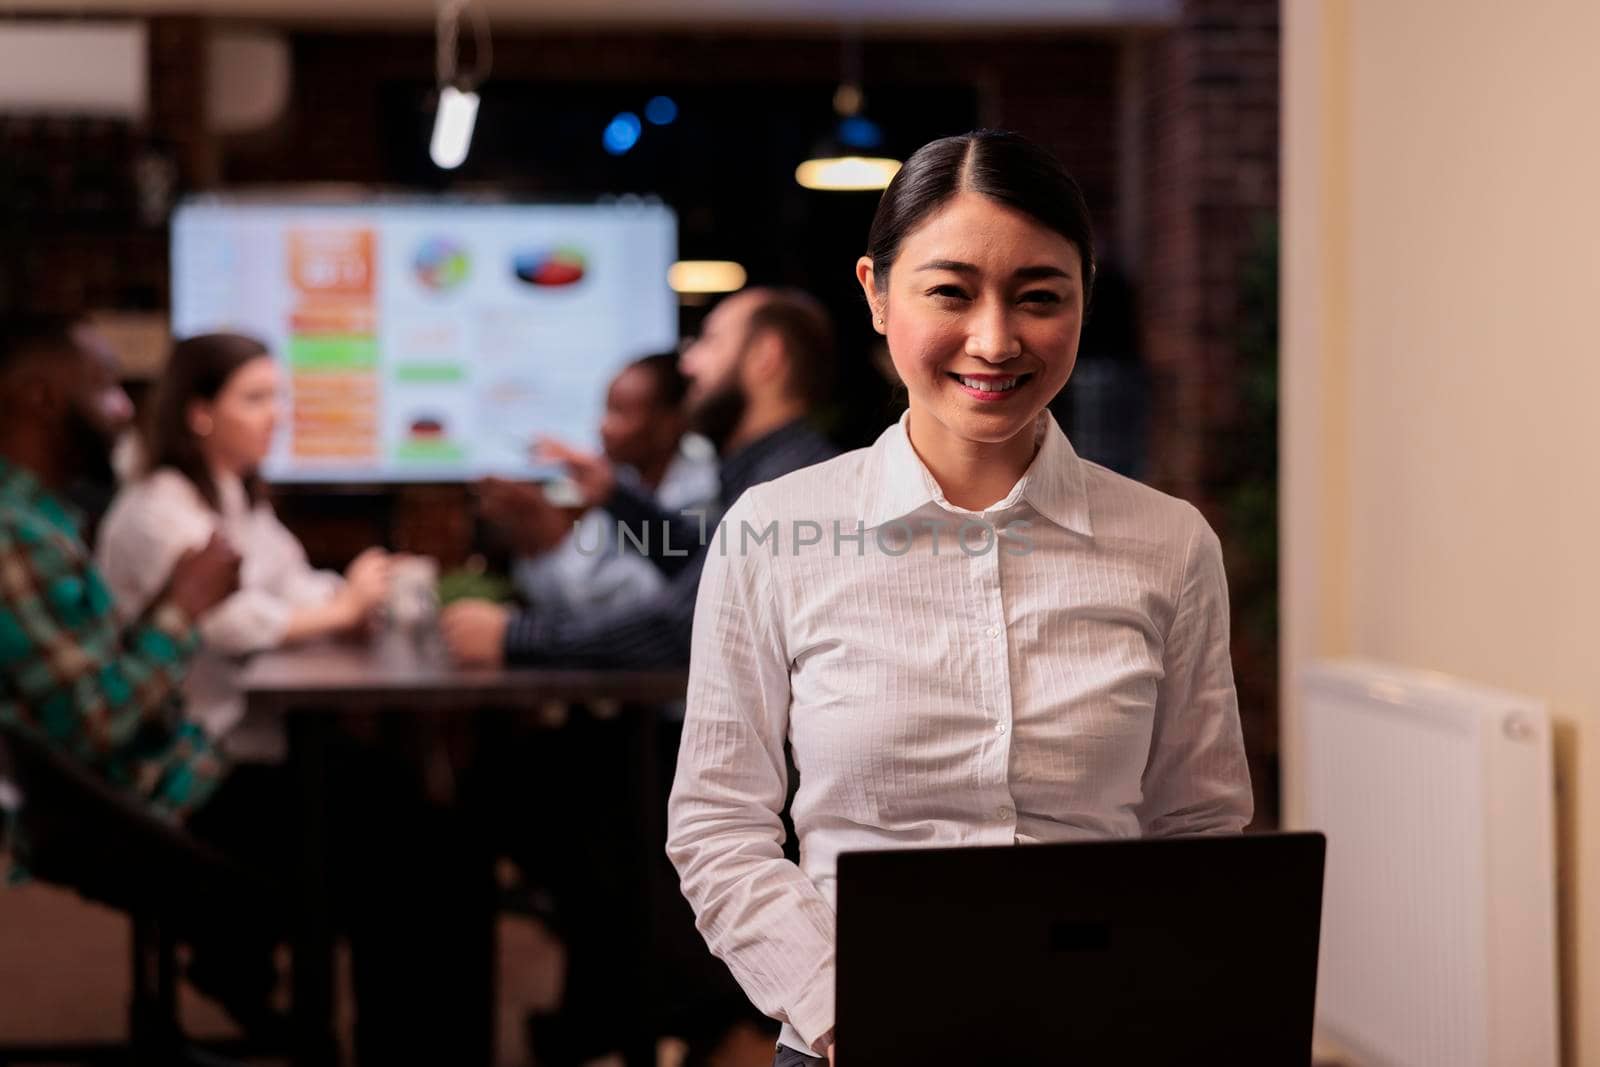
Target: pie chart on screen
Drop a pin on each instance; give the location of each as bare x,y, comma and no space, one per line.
440,264
550,267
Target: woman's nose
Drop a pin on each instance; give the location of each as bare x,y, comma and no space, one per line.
991,336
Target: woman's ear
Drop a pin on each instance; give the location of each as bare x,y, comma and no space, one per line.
199,418
867,276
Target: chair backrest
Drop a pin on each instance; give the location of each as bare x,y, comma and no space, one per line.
10,795
10,798
80,831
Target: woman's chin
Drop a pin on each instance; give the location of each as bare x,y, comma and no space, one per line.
988,427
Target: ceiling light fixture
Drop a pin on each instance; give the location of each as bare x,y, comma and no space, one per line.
706,276
457,110
844,161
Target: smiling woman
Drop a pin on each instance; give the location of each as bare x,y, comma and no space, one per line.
996,259
1067,684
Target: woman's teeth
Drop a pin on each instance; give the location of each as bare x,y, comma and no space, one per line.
989,385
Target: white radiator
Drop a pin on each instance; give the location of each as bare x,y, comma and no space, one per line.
1438,931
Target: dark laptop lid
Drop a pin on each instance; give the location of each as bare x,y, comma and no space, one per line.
1189,950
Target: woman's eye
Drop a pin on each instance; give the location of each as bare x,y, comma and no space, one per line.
951,292
1040,296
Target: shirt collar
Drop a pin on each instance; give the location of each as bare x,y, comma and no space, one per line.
233,498
689,471
23,488
899,482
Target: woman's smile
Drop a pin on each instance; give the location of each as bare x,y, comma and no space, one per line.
991,388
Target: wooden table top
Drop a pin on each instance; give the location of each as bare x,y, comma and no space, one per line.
395,672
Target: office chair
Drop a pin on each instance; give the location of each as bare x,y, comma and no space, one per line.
79,832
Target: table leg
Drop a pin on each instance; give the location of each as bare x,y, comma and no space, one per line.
476,985
641,1018
315,1044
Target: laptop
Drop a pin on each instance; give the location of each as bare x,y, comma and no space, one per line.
1184,950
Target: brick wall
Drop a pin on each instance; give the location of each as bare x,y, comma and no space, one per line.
1210,148
1211,176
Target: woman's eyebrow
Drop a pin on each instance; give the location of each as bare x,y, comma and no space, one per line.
1041,270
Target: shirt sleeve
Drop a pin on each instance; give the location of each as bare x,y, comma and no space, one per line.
672,538
80,681
565,580
251,620
758,912
282,581
539,579
1196,779
148,529
650,634
290,575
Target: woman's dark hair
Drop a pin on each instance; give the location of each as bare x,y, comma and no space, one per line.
197,369
1005,167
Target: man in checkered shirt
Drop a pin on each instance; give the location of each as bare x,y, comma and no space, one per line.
71,675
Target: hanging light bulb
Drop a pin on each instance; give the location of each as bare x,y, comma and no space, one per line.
842,161
848,98
452,127
457,111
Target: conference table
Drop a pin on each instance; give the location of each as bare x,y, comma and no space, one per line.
399,678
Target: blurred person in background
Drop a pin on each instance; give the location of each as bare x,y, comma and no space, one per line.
762,363
105,691
216,410
644,435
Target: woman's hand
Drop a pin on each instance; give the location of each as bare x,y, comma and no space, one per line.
366,585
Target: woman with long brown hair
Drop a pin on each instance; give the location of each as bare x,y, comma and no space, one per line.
215,413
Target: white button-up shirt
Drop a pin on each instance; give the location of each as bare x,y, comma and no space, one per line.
1052,668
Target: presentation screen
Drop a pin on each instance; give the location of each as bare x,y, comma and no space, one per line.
429,341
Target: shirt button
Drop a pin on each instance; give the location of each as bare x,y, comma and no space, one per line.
999,727
1003,813
994,631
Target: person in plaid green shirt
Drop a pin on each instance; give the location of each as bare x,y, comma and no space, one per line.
70,675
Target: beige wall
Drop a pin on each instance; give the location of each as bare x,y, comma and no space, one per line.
1441,373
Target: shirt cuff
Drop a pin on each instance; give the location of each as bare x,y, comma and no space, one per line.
524,638
812,1015
631,504
822,1044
